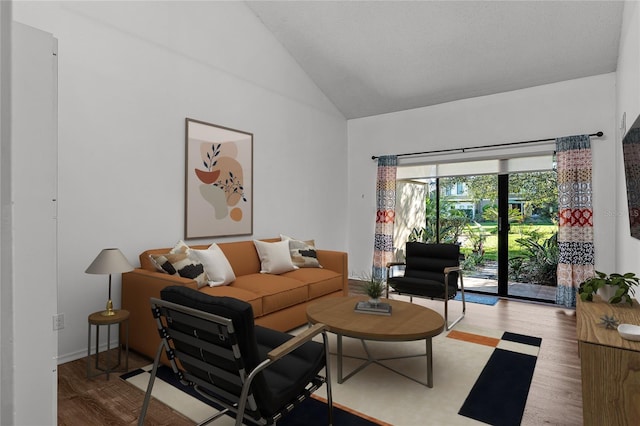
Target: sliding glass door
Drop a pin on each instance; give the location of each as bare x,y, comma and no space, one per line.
506,224
533,235
469,217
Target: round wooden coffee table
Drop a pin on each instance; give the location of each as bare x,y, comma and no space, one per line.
407,322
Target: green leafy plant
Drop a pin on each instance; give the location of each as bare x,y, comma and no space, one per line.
539,260
517,267
417,234
449,227
374,288
471,261
490,214
477,235
624,286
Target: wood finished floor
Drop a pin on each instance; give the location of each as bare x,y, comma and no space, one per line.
555,397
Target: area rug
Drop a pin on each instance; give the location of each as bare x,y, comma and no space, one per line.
183,399
499,395
476,371
459,358
483,299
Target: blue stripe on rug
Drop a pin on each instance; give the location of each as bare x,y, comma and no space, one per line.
521,338
310,412
482,299
499,395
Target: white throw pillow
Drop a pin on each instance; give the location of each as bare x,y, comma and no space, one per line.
274,257
216,265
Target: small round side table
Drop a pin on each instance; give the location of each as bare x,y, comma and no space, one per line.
120,317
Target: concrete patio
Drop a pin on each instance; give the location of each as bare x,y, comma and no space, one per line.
487,285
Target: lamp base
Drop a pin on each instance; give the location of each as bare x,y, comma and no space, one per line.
109,311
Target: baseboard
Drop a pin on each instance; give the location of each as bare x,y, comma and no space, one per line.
68,357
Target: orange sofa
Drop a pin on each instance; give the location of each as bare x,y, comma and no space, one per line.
278,301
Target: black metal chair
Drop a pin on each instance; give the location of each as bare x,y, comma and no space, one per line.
254,373
431,271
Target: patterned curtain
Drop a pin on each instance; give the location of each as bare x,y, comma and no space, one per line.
385,214
575,228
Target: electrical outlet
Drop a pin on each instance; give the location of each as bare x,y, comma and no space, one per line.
58,322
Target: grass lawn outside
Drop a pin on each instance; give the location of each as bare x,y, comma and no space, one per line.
516,232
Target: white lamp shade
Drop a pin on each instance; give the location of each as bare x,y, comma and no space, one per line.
109,261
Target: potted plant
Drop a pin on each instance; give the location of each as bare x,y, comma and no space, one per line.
374,289
615,288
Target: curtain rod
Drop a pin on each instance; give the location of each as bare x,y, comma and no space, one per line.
440,151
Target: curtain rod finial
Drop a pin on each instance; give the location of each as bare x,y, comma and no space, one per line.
599,134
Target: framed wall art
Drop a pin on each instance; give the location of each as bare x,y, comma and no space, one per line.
218,182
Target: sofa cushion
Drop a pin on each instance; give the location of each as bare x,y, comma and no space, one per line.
303,253
243,257
277,292
216,265
274,257
252,298
183,265
320,281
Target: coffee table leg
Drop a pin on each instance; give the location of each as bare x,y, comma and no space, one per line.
429,363
339,356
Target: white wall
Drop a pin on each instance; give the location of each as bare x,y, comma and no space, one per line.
129,74
572,107
410,213
7,376
628,105
33,204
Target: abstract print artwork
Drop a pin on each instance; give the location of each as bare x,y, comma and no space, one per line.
219,181
575,211
385,214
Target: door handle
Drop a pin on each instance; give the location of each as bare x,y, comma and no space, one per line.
506,226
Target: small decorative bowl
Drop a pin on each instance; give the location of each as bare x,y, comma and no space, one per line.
629,331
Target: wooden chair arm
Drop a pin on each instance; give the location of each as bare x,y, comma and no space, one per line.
452,269
297,341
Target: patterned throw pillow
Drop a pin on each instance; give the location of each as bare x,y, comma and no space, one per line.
303,253
181,264
179,247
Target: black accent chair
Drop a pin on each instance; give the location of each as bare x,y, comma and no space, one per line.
431,271
253,373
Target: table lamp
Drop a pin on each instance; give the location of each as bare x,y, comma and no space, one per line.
109,261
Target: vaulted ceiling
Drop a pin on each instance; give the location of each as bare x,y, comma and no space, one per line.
375,57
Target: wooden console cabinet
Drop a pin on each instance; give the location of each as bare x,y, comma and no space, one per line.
610,365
